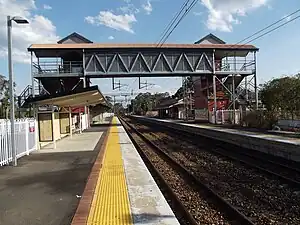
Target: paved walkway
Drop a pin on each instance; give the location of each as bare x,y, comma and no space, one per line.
43,188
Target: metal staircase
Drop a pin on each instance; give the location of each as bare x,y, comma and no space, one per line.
26,94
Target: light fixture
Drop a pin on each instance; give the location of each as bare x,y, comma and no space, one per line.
19,20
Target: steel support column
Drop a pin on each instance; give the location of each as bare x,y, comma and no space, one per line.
214,87
84,86
233,97
32,77
246,85
255,83
233,88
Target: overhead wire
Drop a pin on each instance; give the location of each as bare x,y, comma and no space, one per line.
271,25
275,28
190,7
172,21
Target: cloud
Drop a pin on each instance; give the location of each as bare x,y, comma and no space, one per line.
39,30
129,8
48,7
109,19
147,7
111,38
222,15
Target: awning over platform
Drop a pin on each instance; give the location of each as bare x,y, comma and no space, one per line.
90,96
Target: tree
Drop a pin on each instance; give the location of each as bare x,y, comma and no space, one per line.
188,84
282,96
109,99
144,102
118,108
4,97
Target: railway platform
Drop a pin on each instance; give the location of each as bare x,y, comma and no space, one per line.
273,144
120,189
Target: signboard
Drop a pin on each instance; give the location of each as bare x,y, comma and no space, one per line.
221,104
47,108
31,127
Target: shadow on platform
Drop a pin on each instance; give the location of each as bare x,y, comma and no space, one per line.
147,218
44,185
106,125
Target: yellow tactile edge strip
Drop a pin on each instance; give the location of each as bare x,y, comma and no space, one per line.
110,203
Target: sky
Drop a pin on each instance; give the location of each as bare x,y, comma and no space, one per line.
143,21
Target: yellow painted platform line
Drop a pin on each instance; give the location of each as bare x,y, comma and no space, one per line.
111,202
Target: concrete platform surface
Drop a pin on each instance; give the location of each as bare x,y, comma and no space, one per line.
85,141
148,205
261,135
42,189
271,137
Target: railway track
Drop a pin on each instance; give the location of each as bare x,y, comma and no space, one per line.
195,201
263,199
284,170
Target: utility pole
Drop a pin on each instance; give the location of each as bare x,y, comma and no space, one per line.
184,97
146,84
18,20
114,108
126,103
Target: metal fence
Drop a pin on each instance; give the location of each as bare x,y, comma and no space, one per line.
25,139
225,116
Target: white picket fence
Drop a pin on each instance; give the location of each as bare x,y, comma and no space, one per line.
25,139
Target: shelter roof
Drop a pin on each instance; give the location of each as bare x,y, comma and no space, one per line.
84,97
166,103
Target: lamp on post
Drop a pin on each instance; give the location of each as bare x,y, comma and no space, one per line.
19,20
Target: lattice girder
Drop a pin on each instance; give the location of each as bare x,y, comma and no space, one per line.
148,63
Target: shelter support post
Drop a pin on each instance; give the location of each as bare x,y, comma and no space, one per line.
36,129
88,118
53,131
80,123
70,122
